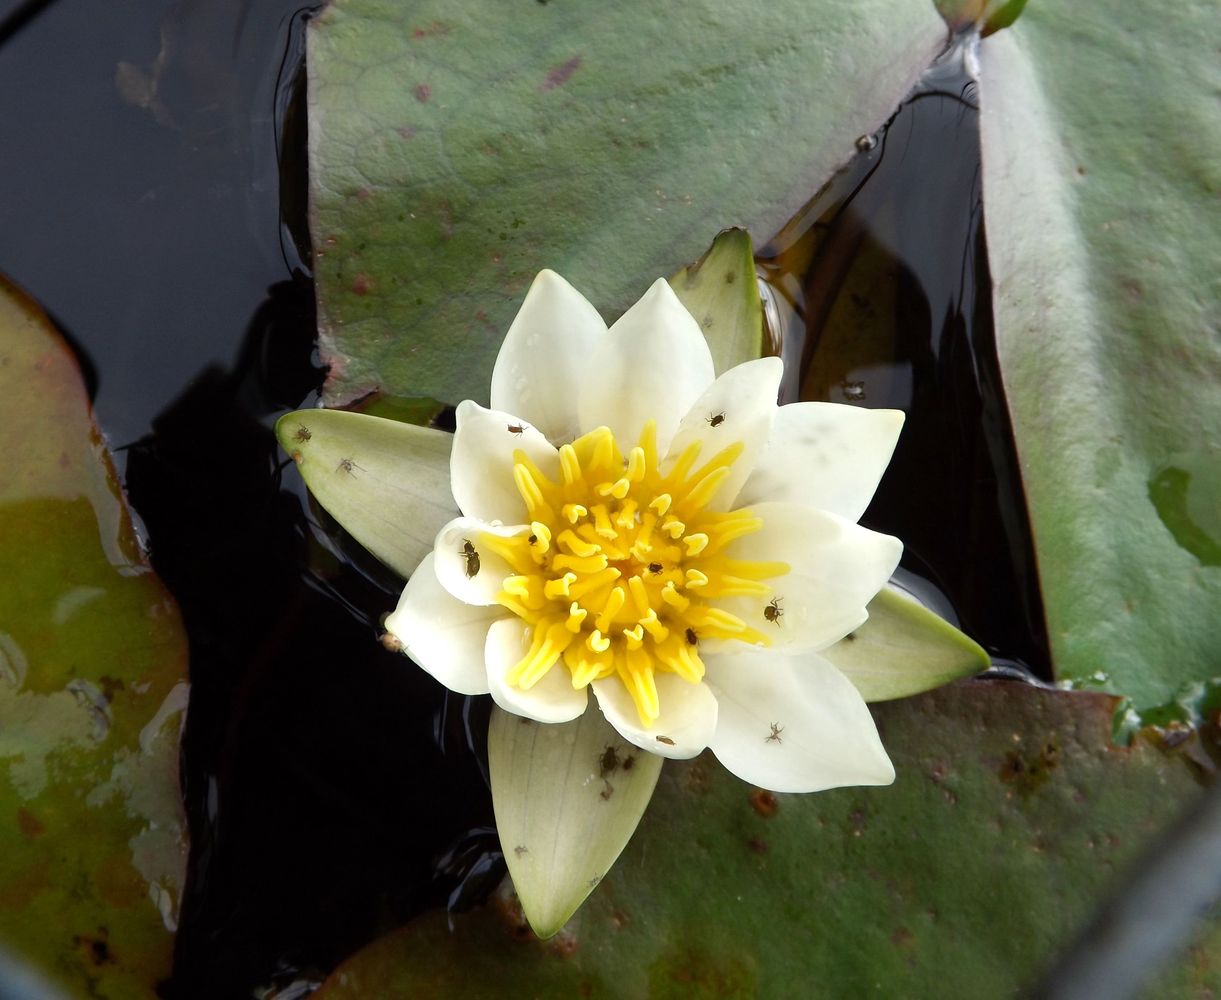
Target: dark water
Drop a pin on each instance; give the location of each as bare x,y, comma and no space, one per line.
882,296
153,200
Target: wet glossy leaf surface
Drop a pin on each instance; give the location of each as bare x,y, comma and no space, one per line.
454,154
1100,146
1010,818
92,690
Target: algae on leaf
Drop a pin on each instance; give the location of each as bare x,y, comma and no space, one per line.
1101,154
92,691
457,150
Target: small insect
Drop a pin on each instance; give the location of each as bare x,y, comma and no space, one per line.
853,390
666,740
716,419
655,567
774,735
533,539
303,433
347,465
521,849
692,638
608,761
774,612
472,558
516,429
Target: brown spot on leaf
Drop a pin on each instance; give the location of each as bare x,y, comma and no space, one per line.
423,92
560,74
619,919
563,944
757,844
361,284
1029,772
764,803
430,30
363,194
29,824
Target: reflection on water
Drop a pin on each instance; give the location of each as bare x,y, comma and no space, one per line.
880,293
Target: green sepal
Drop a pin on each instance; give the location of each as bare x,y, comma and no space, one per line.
904,649
567,797
386,482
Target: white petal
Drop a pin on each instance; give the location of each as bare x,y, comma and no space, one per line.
848,562
481,464
549,343
794,724
441,633
652,365
552,699
476,574
806,615
684,727
738,406
825,455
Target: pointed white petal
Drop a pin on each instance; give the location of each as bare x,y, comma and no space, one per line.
825,455
794,724
445,636
738,406
848,562
652,365
686,724
552,699
806,615
466,567
481,466
549,344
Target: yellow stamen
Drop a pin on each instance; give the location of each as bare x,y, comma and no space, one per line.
617,586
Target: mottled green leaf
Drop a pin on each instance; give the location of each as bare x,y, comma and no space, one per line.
567,799
458,149
904,649
1008,822
721,291
386,482
1102,162
92,691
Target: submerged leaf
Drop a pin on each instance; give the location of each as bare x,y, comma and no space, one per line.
721,291
92,691
386,482
568,798
904,649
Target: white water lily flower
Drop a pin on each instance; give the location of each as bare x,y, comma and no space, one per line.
673,540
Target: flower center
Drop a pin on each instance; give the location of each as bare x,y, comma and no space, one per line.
620,563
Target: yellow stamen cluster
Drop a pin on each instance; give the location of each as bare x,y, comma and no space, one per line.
619,564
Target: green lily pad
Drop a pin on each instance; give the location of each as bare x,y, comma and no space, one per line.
1010,818
92,691
1101,147
457,151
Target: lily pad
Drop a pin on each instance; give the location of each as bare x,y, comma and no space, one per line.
92,691
455,152
1010,818
1100,151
